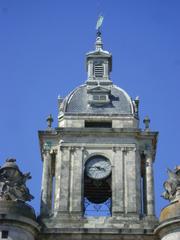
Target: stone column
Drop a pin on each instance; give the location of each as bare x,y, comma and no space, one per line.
118,182
149,185
46,189
143,192
76,181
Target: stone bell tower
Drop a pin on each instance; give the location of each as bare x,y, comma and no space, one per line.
97,163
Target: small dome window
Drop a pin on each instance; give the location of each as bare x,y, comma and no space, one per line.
100,97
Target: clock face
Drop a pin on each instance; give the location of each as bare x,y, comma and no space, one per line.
98,167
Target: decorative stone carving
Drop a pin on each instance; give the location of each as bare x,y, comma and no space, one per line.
146,122
49,121
13,182
47,146
172,185
136,105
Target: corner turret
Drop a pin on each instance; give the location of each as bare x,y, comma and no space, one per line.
169,227
17,219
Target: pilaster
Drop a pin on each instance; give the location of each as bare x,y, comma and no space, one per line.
76,180
64,180
118,182
130,181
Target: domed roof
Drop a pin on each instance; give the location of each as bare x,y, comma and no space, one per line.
77,102
170,211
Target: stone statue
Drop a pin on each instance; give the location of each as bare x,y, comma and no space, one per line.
13,182
172,185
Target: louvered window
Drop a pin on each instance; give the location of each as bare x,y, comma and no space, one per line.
98,70
99,97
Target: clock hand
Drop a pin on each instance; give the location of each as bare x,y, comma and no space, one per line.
100,168
94,168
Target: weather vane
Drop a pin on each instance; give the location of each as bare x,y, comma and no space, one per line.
99,24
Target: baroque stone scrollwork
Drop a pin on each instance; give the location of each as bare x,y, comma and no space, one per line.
172,185
13,182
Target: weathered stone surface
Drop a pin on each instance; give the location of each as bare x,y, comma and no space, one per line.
19,220
123,149
13,183
46,188
169,227
172,185
116,136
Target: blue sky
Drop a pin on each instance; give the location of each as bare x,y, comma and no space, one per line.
42,55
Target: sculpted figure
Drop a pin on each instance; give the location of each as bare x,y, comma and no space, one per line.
13,182
172,185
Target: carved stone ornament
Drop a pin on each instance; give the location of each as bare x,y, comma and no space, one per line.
172,185
13,182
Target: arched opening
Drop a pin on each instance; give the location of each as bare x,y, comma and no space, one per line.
143,186
97,186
